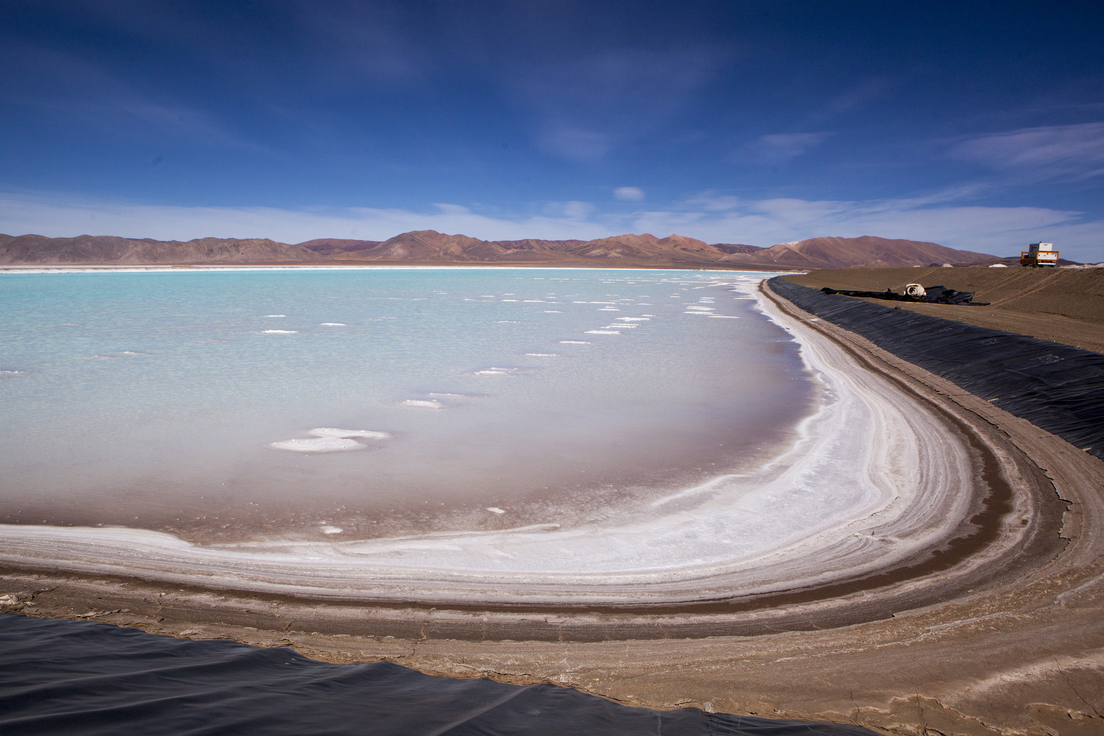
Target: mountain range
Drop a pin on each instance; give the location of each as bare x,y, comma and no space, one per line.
431,247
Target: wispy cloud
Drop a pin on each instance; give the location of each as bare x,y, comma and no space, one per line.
584,108
61,85
1062,152
628,194
66,216
780,148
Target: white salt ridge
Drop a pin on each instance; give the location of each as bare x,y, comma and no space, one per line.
331,439
319,444
493,371
496,510
327,529
423,403
370,434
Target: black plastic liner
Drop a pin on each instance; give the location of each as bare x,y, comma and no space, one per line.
1056,387
83,678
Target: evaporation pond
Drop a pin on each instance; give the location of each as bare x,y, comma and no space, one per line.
224,405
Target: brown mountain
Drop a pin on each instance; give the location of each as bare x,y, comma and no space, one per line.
333,246
94,249
429,246
635,250
863,252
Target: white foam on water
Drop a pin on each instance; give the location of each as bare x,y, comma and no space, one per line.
541,355
10,374
423,403
724,316
275,315
319,444
370,434
333,324
602,332
574,342
507,322
280,332
635,319
552,311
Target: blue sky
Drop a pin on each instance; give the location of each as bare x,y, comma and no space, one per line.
976,125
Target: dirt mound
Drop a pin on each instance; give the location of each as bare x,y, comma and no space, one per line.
1064,305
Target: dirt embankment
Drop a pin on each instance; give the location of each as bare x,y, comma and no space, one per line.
1064,305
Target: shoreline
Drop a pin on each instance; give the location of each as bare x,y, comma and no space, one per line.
203,267
968,647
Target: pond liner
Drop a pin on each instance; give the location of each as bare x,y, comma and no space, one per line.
1056,387
76,677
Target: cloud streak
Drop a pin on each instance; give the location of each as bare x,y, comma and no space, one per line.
780,148
1061,152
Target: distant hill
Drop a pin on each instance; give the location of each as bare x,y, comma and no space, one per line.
864,252
99,249
432,247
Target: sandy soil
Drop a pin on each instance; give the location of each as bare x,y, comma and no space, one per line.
1064,305
998,631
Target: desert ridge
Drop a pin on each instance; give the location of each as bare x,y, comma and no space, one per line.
432,247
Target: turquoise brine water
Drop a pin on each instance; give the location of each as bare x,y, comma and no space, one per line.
503,397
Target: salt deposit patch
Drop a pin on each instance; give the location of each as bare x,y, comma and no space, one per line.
495,371
423,403
327,529
496,510
370,434
319,444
